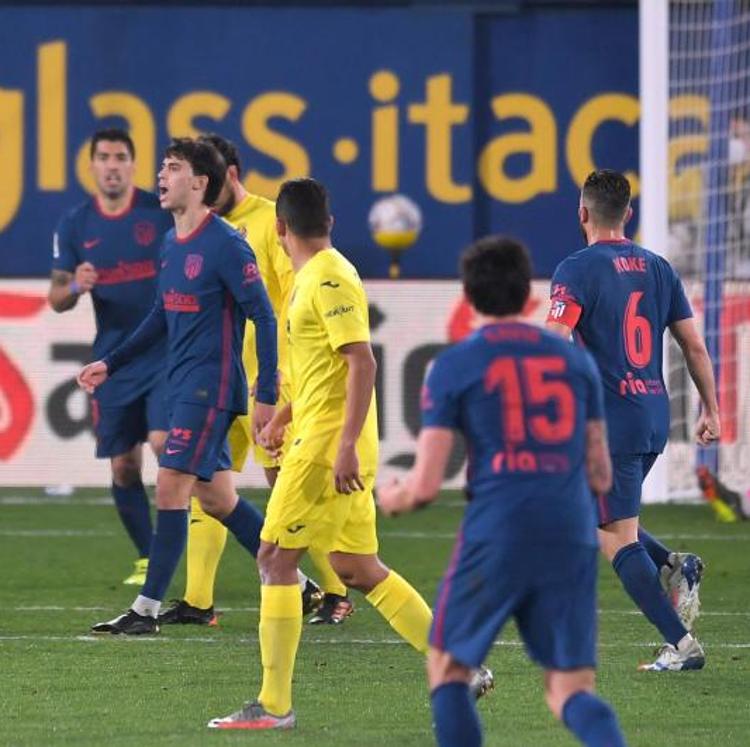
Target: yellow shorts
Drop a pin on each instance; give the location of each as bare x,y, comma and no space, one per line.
305,510
241,442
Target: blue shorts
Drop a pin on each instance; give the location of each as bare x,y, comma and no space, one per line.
549,591
197,440
119,428
624,499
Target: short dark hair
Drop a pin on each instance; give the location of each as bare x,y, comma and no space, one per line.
606,193
496,273
303,204
112,135
229,151
204,159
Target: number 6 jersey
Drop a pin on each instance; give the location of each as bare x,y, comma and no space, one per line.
618,298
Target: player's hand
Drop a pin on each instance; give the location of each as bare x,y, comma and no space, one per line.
346,471
392,497
271,438
708,429
92,376
85,277
262,415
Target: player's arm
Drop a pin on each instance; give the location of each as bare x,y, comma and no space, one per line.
565,306
701,371
423,482
440,418
271,436
360,385
240,274
598,462
151,329
70,279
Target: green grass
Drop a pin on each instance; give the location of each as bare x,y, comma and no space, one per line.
355,684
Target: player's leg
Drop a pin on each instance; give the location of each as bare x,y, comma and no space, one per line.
297,512
618,540
355,560
476,597
173,489
571,698
557,622
119,432
680,573
133,507
335,605
393,597
454,714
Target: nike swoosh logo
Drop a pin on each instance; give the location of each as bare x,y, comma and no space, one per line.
91,244
173,451
330,284
294,530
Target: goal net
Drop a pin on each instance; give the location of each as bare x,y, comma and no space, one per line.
709,226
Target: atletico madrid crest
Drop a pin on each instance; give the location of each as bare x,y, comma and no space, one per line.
193,266
144,232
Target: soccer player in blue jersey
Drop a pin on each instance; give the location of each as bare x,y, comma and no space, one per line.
618,299
108,246
208,285
530,407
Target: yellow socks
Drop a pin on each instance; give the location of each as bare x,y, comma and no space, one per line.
206,540
405,610
327,578
280,629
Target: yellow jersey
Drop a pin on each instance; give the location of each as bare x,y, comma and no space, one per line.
327,309
255,218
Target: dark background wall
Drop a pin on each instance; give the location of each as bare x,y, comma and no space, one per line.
487,115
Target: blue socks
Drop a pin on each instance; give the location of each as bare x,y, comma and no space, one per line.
166,550
641,581
656,551
592,720
455,717
245,523
135,513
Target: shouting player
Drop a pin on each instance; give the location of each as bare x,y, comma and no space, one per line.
530,407
255,219
323,495
208,284
619,298
109,247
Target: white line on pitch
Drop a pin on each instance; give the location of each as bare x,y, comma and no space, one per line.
232,610
52,533
313,641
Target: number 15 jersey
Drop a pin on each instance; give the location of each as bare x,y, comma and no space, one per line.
619,298
521,396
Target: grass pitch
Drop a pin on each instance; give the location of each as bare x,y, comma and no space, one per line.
357,684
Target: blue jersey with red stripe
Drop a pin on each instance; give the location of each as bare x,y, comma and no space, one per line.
619,298
124,250
521,396
209,284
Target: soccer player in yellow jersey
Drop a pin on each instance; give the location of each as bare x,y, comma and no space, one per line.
255,218
324,494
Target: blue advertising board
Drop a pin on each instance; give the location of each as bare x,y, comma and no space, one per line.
488,122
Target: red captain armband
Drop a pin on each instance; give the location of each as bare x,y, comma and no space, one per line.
564,311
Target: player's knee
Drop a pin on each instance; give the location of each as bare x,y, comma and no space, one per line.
156,440
443,668
360,572
560,686
272,564
126,471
